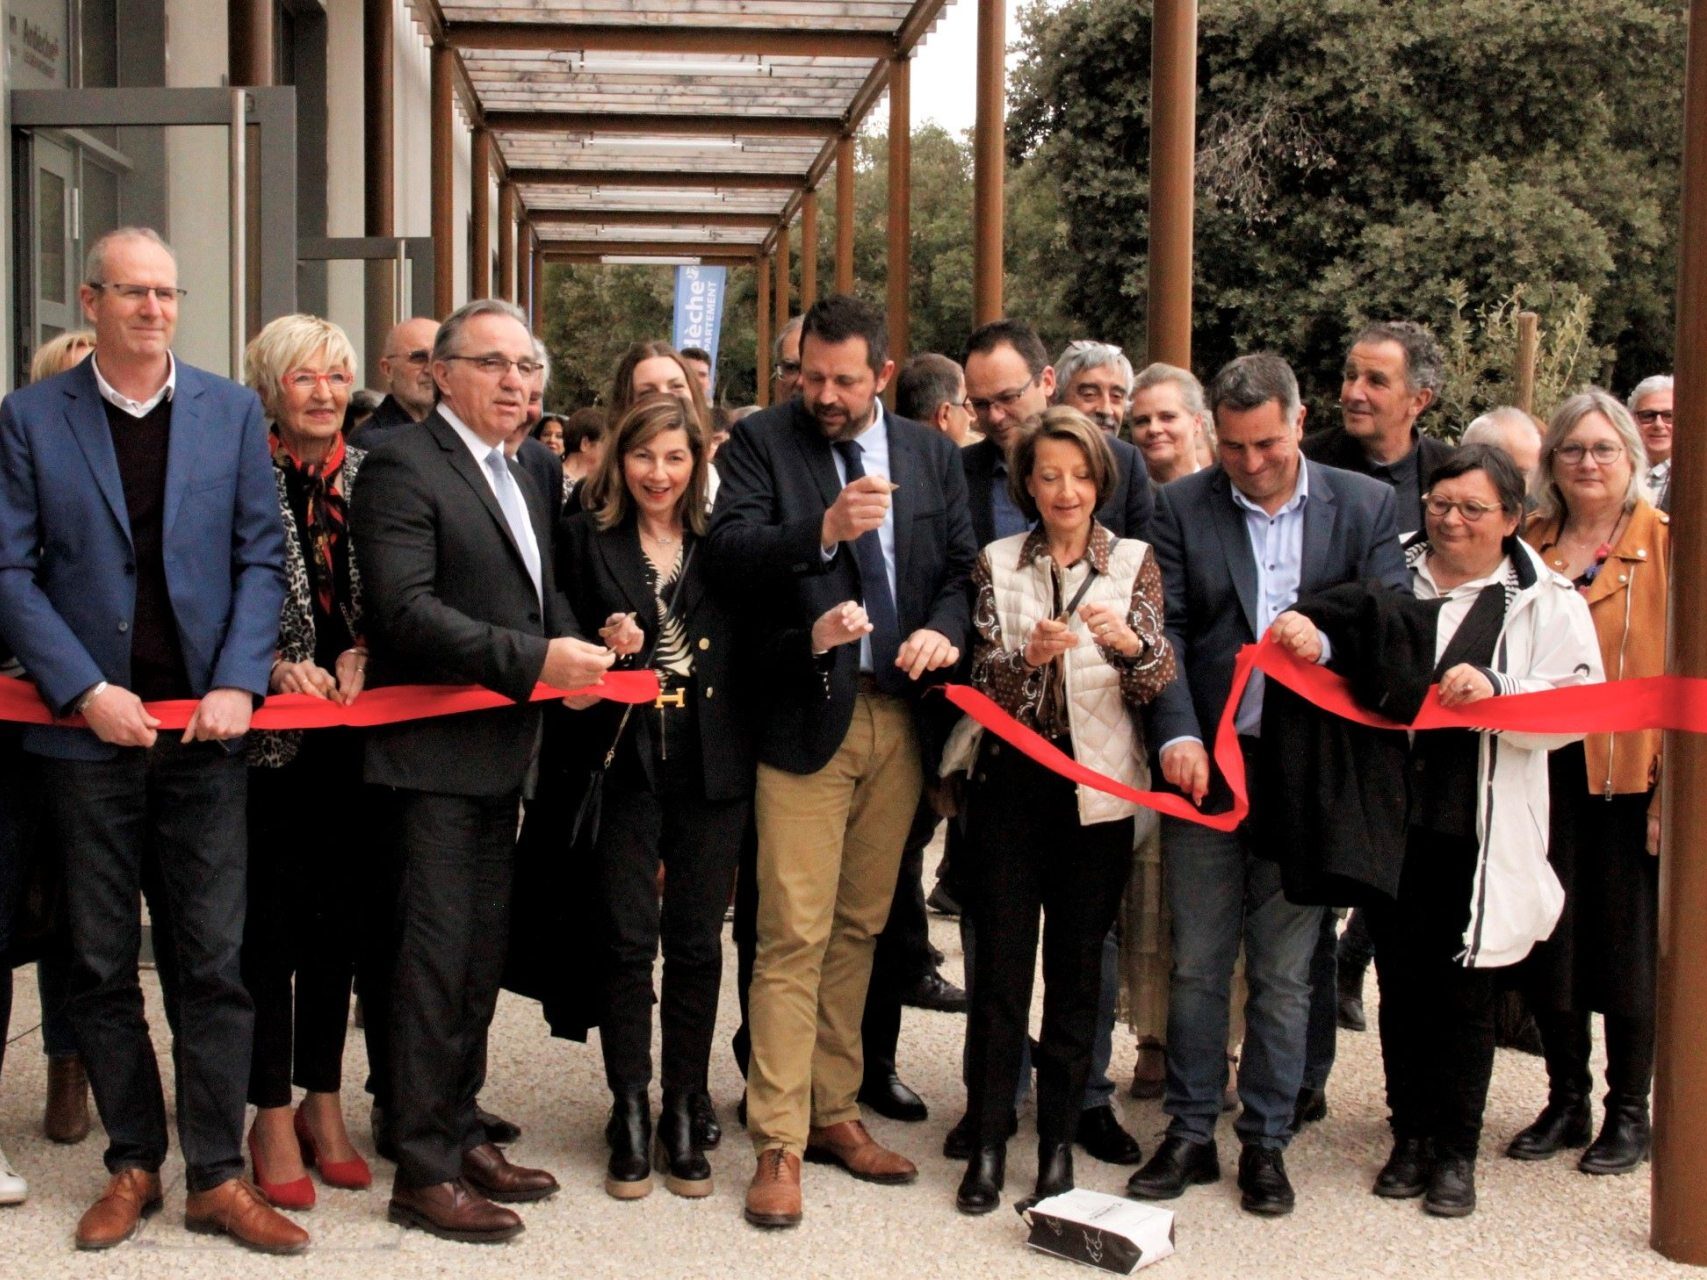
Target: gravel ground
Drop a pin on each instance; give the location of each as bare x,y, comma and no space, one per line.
1534,1220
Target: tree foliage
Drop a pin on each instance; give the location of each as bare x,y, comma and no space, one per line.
1361,159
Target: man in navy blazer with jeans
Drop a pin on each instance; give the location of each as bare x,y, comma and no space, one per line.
1237,544
142,559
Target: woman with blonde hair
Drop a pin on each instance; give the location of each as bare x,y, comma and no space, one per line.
58,354
305,827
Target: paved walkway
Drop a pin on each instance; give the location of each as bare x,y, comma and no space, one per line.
1535,1220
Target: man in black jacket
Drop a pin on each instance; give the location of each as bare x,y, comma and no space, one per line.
847,527
406,367
454,547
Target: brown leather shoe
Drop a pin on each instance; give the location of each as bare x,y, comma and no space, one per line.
849,1145
66,1118
236,1209
773,1196
485,1169
452,1211
131,1196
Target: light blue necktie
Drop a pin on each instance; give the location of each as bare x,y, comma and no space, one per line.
515,510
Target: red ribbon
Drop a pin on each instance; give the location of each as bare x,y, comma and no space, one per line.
21,703
1677,703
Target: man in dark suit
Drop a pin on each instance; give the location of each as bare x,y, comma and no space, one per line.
1237,544
142,559
454,545
406,366
543,466
847,528
1008,381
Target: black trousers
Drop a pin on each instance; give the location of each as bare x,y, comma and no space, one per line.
1565,1044
903,950
1321,1036
305,914
376,879
1027,853
697,840
185,803
1437,1016
457,857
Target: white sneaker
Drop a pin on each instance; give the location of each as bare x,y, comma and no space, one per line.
13,1188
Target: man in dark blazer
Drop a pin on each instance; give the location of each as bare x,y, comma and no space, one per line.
543,466
454,545
847,529
1237,544
142,559
1392,376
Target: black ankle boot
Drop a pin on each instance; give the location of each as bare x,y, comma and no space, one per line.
629,1133
1622,1143
981,1188
676,1151
1054,1172
1563,1122
706,1130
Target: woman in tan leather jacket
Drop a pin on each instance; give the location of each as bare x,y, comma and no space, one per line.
1593,525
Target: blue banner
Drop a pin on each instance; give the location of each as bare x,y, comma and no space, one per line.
699,310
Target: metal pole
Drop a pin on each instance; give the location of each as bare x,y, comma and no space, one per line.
480,203
989,159
762,332
1173,133
808,251
900,207
237,172
844,214
507,241
443,218
779,279
1528,348
399,287
1679,1225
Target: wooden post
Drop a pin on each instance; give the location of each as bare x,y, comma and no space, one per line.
443,169
480,204
844,213
249,41
507,241
808,251
762,332
779,280
1679,1226
900,207
536,290
1173,139
989,161
379,181
1528,350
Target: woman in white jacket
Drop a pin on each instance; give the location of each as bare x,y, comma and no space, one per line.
1476,891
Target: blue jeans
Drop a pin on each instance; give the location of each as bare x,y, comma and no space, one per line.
1220,893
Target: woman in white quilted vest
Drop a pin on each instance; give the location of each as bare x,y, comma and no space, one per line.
1069,622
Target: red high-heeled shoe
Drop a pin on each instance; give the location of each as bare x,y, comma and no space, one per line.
298,1193
350,1175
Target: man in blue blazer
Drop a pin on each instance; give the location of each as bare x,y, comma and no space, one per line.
1237,544
141,560
847,529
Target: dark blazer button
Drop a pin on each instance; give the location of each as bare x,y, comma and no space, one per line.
995,748
124,626
532,617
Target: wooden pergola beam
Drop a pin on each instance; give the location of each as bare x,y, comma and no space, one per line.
584,37
615,251
644,122
656,178
658,248
650,218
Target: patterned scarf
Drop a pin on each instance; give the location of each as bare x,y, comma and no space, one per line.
328,511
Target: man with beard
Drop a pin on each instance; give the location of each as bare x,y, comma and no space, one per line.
1096,379
847,527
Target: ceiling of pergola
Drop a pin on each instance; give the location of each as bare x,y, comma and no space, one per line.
679,125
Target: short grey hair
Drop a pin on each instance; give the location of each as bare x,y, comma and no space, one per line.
95,261
1425,365
449,337
926,383
793,326
1190,389
1550,499
1490,427
1647,387
544,357
1082,355
1249,382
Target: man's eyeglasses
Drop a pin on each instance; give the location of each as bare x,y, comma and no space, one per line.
1605,452
1440,508
419,356
166,293
498,366
787,369
306,380
1003,400
1647,417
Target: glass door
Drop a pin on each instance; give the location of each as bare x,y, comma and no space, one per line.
54,239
